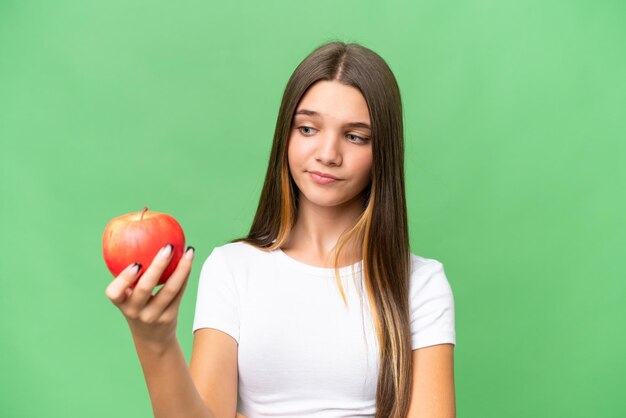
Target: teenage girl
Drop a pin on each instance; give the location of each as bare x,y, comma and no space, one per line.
321,310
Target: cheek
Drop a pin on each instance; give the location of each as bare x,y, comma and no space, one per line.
365,164
296,152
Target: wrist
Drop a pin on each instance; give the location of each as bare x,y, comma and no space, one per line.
154,347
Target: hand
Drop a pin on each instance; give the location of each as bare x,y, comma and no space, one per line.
152,318
239,415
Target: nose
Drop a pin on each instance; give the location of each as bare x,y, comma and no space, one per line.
329,149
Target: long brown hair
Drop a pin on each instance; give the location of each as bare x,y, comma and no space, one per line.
381,230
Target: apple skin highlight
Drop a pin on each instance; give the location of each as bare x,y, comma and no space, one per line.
138,237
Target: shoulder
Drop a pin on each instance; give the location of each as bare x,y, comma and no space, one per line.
427,274
431,303
239,257
422,266
230,264
240,251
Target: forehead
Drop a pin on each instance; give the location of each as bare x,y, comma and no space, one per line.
334,100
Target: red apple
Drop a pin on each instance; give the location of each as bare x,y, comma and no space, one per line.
138,237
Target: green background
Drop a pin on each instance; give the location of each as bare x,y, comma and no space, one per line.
515,169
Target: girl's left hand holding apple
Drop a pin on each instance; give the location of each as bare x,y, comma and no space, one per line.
152,318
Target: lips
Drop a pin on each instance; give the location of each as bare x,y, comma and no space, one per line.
322,180
326,175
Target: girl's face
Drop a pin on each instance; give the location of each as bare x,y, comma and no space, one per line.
330,134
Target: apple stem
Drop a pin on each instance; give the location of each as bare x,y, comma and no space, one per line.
145,208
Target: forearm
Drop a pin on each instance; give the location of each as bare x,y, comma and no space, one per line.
171,388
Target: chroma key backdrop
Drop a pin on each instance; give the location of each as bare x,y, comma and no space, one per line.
515,134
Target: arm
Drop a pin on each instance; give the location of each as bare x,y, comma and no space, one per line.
152,321
171,388
432,388
213,369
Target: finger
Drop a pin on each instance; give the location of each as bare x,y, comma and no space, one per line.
173,287
171,311
117,290
146,284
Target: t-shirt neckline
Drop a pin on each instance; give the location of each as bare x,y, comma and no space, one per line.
316,270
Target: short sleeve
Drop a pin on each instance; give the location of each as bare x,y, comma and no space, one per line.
431,306
217,301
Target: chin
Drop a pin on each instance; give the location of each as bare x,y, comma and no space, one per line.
324,201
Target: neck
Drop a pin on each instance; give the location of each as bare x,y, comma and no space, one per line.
317,230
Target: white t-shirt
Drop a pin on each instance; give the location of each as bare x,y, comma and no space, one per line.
301,352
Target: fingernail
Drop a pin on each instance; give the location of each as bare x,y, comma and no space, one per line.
167,250
189,252
135,268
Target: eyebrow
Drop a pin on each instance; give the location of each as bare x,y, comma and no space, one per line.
315,114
